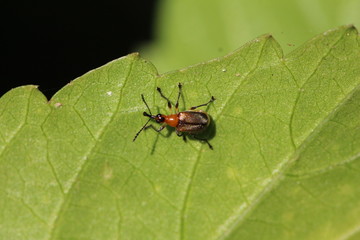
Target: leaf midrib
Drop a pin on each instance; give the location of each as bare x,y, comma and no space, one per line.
287,163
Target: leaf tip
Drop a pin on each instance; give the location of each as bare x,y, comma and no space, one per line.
268,36
351,29
24,88
134,55
264,37
348,29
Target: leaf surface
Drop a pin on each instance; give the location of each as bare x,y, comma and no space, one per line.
285,164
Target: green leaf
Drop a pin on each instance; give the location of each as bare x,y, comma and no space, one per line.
190,31
285,163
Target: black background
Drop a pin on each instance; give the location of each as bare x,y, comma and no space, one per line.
49,44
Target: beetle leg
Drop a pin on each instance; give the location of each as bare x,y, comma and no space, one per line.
205,140
162,95
181,134
152,126
205,104
177,101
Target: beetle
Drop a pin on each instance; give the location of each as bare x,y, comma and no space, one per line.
191,121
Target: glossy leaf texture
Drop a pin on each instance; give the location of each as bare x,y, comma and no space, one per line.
285,164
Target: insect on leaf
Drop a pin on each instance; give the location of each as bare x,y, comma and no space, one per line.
285,164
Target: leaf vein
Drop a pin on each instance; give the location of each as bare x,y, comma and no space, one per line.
287,163
63,204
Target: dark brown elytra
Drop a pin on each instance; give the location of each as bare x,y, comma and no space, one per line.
191,121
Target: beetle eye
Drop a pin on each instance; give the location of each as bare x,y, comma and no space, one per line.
159,118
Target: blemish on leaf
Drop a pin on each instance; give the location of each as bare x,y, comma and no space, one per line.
109,93
157,188
231,173
107,172
57,105
238,110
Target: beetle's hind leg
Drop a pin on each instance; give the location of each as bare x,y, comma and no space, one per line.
205,104
204,140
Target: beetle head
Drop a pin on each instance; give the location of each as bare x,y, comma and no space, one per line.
159,118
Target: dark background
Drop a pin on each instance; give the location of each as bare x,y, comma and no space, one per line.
49,44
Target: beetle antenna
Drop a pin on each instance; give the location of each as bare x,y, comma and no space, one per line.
146,115
137,134
142,96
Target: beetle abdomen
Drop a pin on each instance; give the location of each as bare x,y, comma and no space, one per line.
193,121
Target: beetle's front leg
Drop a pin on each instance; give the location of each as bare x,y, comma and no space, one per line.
157,130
